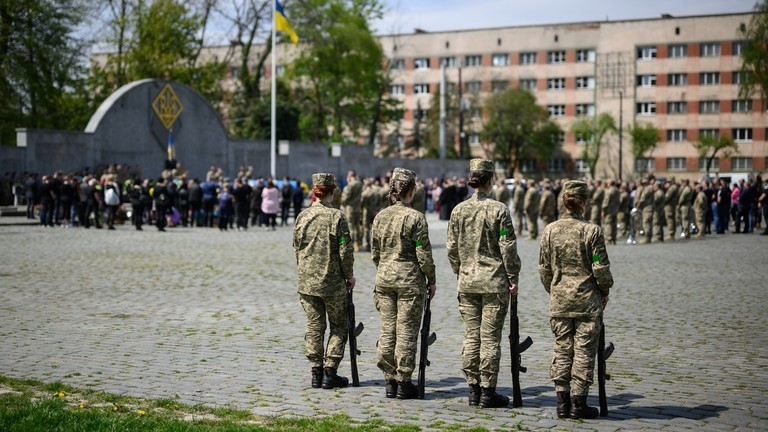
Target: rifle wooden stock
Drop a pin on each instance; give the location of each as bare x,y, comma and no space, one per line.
603,354
354,331
516,349
427,339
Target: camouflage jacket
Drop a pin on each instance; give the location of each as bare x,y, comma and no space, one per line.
658,200
400,248
574,267
685,198
324,254
548,204
482,246
671,196
371,201
518,196
352,195
532,201
501,194
611,201
597,198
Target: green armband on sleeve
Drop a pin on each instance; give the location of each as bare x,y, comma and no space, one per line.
342,240
503,232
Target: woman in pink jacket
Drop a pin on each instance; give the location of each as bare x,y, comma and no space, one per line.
270,204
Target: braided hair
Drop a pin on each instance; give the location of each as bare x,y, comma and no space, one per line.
399,189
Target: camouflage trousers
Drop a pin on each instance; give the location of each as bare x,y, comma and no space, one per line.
700,218
533,225
609,224
669,216
595,217
518,221
684,216
658,224
647,224
624,223
317,308
401,310
484,316
354,220
367,225
573,363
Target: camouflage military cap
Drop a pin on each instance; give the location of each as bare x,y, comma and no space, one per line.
323,179
575,187
481,165
403,174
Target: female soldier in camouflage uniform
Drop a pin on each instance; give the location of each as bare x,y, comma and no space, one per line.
402,253
482,249
575,271
325,258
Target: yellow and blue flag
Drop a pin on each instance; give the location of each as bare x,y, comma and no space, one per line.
282,24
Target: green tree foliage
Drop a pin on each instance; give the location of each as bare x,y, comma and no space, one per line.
594,131
754,66
41,66
645,139
518,128
258,124
709,146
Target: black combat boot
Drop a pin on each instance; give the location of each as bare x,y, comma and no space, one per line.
317,377
474,394
563,404
581,410
391,389
491,399
331,380
406,390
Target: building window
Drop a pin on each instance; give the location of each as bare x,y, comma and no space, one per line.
556,165
398,64
676,164
556,57
473,86
738,48
742,106
528,58
585,82
646,108
646,80
499,86
474,140
677,79
646,53
742,135
710,133
556,110
398,90
709,107
738,77
448,62
527,165
644,164
528,84
741,164
559,138
580,139
582,166
709,78
473,61
556,84
420,114
421,63
678,51
709,49
420,89
678,107
677,135
585,110
715,164
499,60
585,56
279,70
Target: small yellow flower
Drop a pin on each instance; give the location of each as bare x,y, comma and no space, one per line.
82,406
140,412
60,394
114,408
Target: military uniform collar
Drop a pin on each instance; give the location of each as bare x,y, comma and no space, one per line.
400,203
320,203
481,195
572,216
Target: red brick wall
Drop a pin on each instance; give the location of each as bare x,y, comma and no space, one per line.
693,50
570,83
692,164
570,56
662,51
693,77
661,164
726,49
693,107
693,134
570,110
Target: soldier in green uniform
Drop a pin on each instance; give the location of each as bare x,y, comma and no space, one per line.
575,271
644,203
371,203
700,204
532,209
684,209
482,249
624,208
658,211
611,201
518,202
670,208
405,271
351,200
501,193
325,261
547,205
597,203
419,202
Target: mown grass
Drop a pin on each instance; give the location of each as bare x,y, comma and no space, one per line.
32,406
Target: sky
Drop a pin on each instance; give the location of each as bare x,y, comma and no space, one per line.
403,16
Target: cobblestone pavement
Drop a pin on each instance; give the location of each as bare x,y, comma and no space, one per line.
213,318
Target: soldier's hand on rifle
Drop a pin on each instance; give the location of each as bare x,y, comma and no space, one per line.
351,283
605,301
431,289
513,289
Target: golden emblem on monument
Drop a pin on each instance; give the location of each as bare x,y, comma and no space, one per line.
167,106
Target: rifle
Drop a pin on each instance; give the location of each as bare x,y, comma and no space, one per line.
427,339
516,348
354,332
603,354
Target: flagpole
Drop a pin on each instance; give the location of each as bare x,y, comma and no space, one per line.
273,143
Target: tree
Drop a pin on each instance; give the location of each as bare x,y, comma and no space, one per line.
709,146
594,131
754,65
518,128
41,66
645,139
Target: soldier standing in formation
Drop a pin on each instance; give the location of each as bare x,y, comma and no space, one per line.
644,203
351,200
684,209
611,201
325,259
532,209
700,207
658,211
597,203
548,205
625,208
574,250
501,193
371,203
482,249
518,199
670,208
401,250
